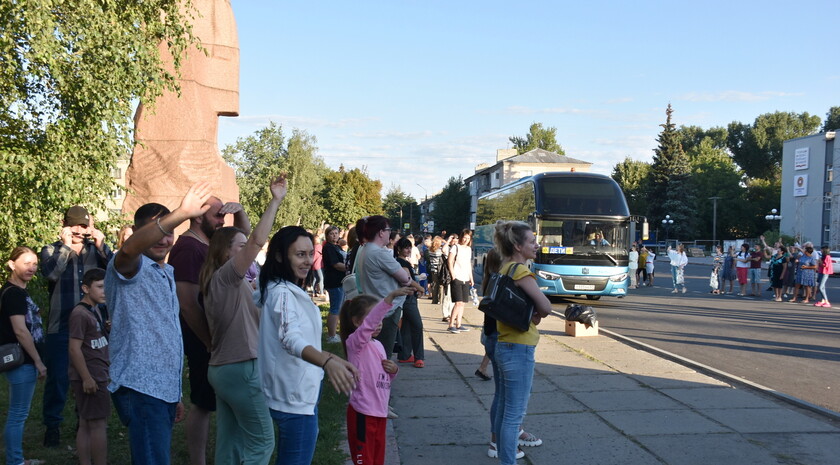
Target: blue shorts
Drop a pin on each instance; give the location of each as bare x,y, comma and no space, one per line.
755,275
336,299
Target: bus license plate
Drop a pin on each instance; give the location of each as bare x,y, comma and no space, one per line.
584,287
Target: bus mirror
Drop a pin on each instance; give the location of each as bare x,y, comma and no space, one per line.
645,231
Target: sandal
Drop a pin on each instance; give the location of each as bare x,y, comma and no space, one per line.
528,439
419,364
493,453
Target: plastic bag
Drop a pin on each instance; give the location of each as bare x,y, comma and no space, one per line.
582,313
474,296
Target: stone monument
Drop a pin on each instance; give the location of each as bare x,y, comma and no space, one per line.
176,140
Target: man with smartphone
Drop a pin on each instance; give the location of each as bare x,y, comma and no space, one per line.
81,247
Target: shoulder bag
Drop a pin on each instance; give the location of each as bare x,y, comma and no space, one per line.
506,302
11,354
350,284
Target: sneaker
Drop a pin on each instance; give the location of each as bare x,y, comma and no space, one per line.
674,291
493,453
408,360
685,290
52,437
528,439
334,339
453,330
463,329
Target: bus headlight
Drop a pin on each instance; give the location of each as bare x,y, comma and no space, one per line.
618,278
548,275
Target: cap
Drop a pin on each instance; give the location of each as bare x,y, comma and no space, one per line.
76,215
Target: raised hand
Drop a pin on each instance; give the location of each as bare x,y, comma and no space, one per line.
194,203
279,187
231,208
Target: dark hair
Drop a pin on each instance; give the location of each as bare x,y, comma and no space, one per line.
492,264
783,249
277,267
370,226
149,212
745,246
509,234
350,309
217,255
92,275
403,243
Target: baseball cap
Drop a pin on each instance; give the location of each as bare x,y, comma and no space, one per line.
76,215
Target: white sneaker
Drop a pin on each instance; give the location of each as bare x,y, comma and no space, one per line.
334,339
684,290
493,453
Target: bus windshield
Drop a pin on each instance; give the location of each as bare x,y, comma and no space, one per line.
574,241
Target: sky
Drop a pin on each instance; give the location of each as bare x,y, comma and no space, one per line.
419,92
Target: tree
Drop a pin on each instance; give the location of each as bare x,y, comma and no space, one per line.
691,137
671,191
70,74
832,120
350,195
757,148
401,208
714,174
537,138
263,156
633,177
452,206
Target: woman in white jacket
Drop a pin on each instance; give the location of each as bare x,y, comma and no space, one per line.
678,262
291,362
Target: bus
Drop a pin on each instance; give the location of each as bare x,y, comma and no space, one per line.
583,227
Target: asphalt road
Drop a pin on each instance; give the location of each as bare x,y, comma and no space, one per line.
791,348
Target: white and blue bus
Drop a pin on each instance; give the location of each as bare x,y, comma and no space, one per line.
583,227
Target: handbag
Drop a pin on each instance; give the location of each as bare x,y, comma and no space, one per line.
11,356
680,276
506,302
350,284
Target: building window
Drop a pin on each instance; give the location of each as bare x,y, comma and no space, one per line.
117,193
829,173
827,201
116,173
497,175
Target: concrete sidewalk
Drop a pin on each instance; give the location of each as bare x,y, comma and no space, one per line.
594,401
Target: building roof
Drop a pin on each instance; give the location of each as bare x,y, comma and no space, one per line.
544,156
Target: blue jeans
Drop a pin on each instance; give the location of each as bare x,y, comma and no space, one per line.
55,389
149,421
21,389
823,279
296,437
674,270
516,369
336,299
490,349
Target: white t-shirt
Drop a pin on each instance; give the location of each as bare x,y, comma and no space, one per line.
462,269
740,256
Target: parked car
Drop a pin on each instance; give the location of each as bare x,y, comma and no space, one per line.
835,261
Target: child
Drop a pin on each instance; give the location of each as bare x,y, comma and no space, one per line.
367,411
89,360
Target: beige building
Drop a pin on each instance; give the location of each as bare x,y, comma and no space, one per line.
510,167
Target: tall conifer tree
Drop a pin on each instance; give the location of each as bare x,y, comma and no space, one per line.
671,192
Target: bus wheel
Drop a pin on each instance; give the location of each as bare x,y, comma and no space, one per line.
593,297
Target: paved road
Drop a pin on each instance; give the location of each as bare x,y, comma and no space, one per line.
792,348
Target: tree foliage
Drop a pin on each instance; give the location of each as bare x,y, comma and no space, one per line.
452,206
401,208
260,157
832,120
69,74
537,138
757,147
350,195
671,192
633,176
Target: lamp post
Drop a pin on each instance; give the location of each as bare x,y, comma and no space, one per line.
714,220
667,223
774,217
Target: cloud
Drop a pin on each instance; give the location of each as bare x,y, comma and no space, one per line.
734,96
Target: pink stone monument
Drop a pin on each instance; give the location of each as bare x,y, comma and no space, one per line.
176,140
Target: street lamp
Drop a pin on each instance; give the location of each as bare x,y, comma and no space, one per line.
774,217
714,220
667,223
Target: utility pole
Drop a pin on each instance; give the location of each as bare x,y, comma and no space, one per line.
714,220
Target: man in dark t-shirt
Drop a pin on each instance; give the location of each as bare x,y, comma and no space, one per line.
334,272
755,269
187,257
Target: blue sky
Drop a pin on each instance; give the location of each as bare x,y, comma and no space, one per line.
418,92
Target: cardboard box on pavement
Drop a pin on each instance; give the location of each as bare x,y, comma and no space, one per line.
578,329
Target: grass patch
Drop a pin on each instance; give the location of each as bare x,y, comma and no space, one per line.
331,418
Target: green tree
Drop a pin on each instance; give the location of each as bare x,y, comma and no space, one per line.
452,206
670,184
401,208
757,147
70,73
691,137
350,195
537,138
832,120
633,177
266,154
714,174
